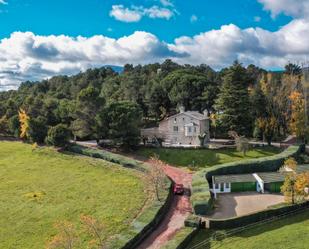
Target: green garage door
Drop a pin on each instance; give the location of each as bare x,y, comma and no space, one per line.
243,186
275,187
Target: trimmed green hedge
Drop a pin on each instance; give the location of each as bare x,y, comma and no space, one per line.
194,221
108,156
201,198
255,217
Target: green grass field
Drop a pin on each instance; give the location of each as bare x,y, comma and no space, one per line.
204,157
39,188
291,232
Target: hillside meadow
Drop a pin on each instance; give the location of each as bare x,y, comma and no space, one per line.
41,187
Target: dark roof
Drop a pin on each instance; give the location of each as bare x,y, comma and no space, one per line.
302,168
269,177
235,178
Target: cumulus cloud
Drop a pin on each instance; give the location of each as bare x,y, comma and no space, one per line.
294,8
219,48
120,13
26,56
135,13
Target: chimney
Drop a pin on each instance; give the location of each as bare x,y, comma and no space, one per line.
181,109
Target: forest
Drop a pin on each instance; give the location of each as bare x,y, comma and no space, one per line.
104,104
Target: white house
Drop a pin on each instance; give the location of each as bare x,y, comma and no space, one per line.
183,128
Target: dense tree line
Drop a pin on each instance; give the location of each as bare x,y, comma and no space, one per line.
101,103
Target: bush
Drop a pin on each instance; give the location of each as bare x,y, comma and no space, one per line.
58,135
201,198
193,221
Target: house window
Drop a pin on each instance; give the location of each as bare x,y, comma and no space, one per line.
175,120
175,128
217,186
190,130
227,185
194,129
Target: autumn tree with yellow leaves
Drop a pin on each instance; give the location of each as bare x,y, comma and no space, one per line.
24,123
297,122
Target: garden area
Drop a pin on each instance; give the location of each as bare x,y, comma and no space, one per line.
202,158
290,232
42,189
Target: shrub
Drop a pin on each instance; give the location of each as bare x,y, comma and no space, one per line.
58,135
193,221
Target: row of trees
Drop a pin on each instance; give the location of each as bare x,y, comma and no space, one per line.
101,103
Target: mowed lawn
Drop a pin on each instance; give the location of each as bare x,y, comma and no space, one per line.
40,188
288,233
204,157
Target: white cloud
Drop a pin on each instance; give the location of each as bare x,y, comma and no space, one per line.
3,2
167,3
193,18
135,13
219,48
294,8
120,13
26,56
157,12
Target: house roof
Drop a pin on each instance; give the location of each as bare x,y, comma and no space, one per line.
269,177
235,178
192,114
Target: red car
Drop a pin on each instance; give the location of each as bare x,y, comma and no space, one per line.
179,189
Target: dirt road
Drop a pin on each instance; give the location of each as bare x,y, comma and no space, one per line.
175,218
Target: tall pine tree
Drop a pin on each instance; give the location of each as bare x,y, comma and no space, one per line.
233,103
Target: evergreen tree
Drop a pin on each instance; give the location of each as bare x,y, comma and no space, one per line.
233,102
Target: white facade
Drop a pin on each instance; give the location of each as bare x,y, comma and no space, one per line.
183,128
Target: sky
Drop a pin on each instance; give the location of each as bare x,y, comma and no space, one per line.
43,38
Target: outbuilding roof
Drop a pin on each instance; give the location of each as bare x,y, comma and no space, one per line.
269,177
234,178
302,168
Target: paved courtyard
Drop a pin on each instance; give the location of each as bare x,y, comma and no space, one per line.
239,204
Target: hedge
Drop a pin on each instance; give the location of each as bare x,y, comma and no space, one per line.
194,221
255,217
108,156
201,198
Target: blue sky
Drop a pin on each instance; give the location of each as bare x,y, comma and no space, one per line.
43,38
91,17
